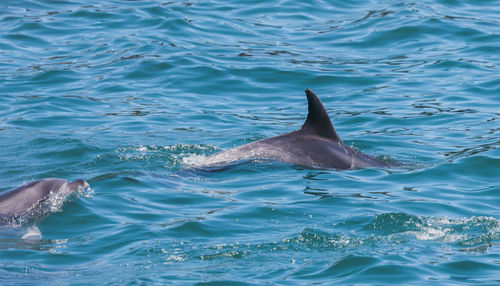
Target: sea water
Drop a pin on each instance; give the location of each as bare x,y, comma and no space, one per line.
129,94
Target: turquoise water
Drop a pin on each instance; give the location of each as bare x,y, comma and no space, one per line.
127,95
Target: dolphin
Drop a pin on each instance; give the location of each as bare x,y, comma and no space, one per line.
314,145
28,199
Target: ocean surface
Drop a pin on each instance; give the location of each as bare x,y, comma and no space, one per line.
129,95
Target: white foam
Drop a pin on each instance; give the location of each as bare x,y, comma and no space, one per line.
445,228
32,233
195,160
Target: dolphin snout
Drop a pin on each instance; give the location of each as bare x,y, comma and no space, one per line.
85,184
78,183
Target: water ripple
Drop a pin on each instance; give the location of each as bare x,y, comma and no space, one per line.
129,95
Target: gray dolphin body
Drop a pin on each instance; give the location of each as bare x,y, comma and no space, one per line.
22,200
315,145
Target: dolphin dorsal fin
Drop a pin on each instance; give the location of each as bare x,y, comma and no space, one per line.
318,122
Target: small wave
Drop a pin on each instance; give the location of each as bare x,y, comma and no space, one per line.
471,231
469,234
310,239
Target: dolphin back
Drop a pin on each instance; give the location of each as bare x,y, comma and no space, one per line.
315,145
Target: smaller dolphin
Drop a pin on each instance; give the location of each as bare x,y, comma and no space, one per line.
315,145
24,200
